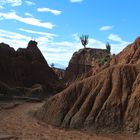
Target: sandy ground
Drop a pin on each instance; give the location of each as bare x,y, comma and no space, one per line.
18,124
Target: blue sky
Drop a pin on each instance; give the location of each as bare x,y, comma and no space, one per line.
57,24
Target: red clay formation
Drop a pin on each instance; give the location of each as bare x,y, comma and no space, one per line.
25,67
130,55
84,61
108,101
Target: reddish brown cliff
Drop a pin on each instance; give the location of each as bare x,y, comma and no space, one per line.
25,67
59,72
85,60
106,102
129,55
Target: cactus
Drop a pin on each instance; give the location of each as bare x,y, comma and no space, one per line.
108,47
84,40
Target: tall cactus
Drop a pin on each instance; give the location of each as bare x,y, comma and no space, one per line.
84,40
108,47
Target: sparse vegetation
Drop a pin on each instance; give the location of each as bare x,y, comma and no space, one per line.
84,40
108,47
52,65
103,60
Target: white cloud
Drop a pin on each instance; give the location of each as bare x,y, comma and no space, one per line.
94,43
55,12
29,3
118,47
55,52
114,37
76,36
106,28
1,7
75,1
11,2
60,52
49,35
15,40
118,44
28,20
28,14
13,35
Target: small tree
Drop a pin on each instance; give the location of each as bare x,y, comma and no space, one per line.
108,47
84,40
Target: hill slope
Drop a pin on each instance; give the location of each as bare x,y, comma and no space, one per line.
109,101
25,67
129,55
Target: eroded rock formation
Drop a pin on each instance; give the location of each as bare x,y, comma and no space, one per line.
34,93
26,67
129,55
109,101
85,60
59,72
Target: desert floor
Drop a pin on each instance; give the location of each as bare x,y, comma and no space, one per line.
17,123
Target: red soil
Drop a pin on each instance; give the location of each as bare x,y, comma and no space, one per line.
18,124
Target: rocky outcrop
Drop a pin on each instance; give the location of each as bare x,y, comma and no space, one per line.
26,67
59,72
84,61
130,55
31,53
108,101
36,92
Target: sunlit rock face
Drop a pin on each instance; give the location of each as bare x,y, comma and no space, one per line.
108,101
85,60
129,55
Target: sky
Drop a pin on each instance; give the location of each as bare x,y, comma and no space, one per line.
57,25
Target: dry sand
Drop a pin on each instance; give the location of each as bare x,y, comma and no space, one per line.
17,123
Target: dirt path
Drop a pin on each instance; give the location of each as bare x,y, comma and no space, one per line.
18,124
